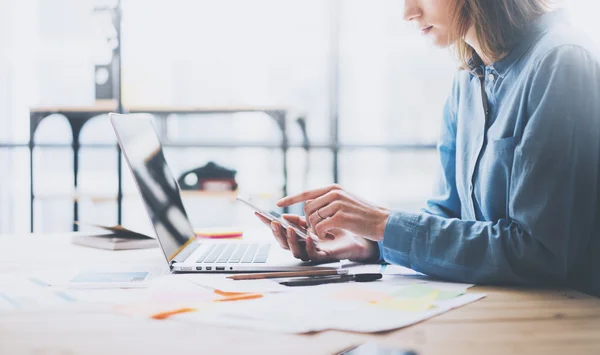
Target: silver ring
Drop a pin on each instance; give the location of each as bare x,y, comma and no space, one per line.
318,214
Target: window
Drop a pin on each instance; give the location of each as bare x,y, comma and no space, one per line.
391,87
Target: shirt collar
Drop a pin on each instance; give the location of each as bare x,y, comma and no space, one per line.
531,34
475,65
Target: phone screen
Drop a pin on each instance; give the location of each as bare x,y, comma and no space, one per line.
274,216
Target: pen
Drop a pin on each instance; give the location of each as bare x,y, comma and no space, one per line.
275,275
332,279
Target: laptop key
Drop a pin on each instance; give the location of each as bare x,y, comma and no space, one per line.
226,254
264,249
260,260
239,253
205,254
249,256
263,254
215,254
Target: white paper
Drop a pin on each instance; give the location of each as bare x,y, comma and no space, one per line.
395,280
281,309
222,283
19,293
108,296
311,310
117,277
398,270
359,268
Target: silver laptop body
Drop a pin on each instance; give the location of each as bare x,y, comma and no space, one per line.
161,195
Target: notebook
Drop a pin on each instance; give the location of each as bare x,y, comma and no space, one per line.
114,238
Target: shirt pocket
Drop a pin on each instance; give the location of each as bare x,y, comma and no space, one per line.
495,175
503,144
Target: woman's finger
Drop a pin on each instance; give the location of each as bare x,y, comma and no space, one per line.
280,235
327,210
306,195
263,219
315,254
330,210
301,221
319,203
298,250
324,226
277,230
295,219
337,221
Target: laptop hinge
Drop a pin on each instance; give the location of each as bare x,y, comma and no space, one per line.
185,253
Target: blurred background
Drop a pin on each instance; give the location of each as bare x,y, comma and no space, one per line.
360,93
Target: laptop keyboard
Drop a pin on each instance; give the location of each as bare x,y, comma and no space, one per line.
252,253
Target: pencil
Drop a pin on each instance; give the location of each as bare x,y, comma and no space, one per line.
165,315
240,297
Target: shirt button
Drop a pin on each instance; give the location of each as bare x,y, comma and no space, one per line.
491,77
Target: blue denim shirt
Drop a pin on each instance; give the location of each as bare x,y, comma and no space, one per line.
518,198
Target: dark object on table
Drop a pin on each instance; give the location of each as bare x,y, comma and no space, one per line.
113,238
374,349
211,177
321,280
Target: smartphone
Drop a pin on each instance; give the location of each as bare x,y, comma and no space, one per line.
302,232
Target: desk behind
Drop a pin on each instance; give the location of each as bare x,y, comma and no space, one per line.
509,320
78,116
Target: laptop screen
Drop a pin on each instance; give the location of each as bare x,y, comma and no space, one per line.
160,192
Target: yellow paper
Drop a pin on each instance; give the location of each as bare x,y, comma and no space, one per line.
359,295
404,305
408,304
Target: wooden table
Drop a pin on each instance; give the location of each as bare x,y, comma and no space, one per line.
509,320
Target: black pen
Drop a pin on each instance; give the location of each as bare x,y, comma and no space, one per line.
332,279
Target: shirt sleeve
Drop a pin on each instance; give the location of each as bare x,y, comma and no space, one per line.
553,198
446,202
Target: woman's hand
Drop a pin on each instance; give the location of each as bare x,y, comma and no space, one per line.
340,245
331,208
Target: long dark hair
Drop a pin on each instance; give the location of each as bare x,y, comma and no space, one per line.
498,25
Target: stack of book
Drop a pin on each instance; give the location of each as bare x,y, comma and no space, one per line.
114,238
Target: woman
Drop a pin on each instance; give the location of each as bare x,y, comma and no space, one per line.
517,200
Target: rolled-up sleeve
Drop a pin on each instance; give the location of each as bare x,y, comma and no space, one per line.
553,195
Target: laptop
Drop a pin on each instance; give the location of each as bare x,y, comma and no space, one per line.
161,195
